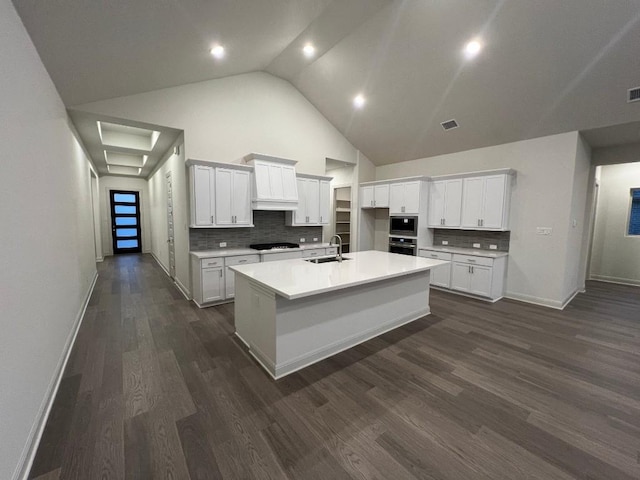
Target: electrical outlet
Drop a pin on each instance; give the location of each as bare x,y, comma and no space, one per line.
445,242
302,240
223,244
543,230
574,224
476,245
315,239
493,247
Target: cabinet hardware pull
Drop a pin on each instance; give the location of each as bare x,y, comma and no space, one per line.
471,269
211,218
220,273
241,261
471,261
482,222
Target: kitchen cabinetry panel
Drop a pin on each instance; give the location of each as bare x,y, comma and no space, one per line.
485,204
441,275
229,276
212,284
445,203
313,203
404,198
366,197
374,196
203,204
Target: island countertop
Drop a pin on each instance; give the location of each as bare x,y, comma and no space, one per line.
297,278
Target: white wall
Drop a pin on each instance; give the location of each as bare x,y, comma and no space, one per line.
159,226
615,255
542,196
140,185
228,118
47,254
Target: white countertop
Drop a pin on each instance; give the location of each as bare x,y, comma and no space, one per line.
229,252
467,251
298,278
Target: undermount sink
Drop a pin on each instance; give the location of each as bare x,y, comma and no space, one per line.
325,259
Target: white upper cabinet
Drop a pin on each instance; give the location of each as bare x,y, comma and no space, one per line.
404,198
232,197
374,196
313,203
202,199
485,202
445,203
325,202
220,195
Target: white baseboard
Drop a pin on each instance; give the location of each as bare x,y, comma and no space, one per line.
99,259
621,281
181,287
544,302
31,447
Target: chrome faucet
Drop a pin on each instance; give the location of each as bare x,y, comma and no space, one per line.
339,256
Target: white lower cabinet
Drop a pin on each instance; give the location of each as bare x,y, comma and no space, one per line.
229,276
212,284
469,274
440,276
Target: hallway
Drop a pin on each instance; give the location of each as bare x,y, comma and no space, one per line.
157,388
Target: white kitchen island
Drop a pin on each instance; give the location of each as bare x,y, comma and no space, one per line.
293,313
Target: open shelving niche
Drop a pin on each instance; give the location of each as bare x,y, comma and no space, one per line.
342,216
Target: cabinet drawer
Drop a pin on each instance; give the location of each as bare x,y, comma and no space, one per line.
434,254
241,260
211,262
316,252
473,260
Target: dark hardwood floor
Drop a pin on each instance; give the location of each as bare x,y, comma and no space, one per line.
157,388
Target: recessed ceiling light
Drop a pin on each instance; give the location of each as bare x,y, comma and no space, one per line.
359,101
309,50
472,48
217,51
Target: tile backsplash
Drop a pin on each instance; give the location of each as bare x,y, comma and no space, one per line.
466,238
269,227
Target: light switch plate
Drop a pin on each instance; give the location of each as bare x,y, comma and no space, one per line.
445,242
223,244
493,247
476,245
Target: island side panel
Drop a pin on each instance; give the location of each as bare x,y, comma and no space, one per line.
254,312
316,327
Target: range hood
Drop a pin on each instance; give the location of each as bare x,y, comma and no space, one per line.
274,183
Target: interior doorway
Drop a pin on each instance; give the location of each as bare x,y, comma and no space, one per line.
125,221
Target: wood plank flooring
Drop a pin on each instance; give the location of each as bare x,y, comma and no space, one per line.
158,389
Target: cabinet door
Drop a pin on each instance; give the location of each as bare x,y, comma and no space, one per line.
223,187
396,198
493,204
480,280
241,197
460,276
212,284
366,197
276,188
289,183
412,197
300,214
452,207
203,195
437,191
472,193
263,180
325,202
313,201
381,196
441,276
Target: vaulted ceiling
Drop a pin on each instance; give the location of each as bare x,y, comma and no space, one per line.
547,66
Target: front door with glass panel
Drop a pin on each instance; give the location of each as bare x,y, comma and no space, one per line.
125,221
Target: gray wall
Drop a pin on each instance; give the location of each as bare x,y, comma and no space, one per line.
47,254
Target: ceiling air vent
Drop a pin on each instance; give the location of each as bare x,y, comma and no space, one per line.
449,124
633,95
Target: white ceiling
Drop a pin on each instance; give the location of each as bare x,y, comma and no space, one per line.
548,66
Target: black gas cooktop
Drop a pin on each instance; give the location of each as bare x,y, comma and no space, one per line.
274,245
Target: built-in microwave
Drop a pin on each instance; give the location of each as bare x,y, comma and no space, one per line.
406,226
